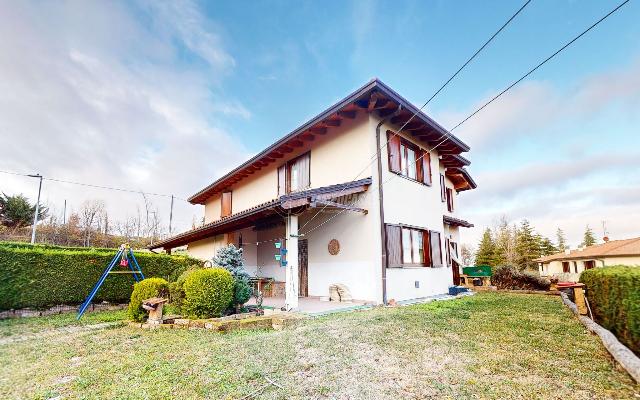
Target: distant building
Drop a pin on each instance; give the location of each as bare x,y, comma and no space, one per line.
573,262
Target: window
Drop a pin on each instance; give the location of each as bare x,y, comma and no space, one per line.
565,266
443,193
412,247
575,267
436,246
293,175
407,159
591,264
225,207
449,194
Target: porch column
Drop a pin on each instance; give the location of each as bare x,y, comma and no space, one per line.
291,236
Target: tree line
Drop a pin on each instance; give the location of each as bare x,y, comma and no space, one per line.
519,245
89,226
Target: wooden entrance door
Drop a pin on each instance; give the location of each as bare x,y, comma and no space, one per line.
456,272
303,268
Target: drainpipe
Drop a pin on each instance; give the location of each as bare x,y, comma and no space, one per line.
383,233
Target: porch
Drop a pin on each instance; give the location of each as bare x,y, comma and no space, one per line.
327,235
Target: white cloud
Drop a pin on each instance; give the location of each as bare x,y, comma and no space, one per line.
100,93
534,105
527,170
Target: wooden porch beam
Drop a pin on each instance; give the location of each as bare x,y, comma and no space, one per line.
315,202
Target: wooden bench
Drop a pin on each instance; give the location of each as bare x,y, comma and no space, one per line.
154,306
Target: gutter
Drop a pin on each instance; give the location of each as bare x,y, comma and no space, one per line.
383,233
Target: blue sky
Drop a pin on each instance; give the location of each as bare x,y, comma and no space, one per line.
203,85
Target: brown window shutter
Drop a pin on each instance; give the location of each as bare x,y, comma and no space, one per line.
282,180
420,166
450,199
426,168
447,252
394,252
226,205
426,248
394,151
443,195
436,249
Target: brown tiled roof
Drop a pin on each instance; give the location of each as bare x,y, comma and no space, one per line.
614,248
373,96
456,222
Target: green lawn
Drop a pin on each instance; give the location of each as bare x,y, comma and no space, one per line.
486,346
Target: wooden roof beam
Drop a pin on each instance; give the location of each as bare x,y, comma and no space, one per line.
318,130
348,114
332,122
295,143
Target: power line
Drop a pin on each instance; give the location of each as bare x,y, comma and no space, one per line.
447,134
494,98
97,186
569,43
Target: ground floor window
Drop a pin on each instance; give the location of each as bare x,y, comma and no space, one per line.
565,267
410,246
589,264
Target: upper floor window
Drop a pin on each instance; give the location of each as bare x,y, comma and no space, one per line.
449,194
293,175
407,159
225,204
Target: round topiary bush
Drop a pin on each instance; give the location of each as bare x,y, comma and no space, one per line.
208,292
145,289
176,290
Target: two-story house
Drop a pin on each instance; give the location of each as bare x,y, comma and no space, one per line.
355,200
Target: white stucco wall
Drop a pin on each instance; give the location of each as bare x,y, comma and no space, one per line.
412,203
357,265
206,248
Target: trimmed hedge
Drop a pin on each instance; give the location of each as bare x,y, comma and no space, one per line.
41,277
145,289
208,292
614,297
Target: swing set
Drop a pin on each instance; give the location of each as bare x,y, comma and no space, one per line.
127,259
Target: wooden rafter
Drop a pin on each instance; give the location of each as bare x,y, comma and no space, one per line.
329,203
347,114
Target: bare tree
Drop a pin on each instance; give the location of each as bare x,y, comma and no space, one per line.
90,215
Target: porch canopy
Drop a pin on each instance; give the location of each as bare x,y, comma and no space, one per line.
328,197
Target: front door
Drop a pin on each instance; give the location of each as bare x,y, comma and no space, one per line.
456,272
303,268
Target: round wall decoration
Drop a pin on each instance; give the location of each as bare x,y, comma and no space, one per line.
334,247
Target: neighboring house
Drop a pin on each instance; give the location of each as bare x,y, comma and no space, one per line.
380,219
572,263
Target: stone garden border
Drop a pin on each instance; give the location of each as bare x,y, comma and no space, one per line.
236,322
621,353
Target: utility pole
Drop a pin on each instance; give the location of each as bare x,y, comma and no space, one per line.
64,213
35,217
170,215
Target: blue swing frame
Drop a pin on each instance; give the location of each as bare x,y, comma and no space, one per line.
123,252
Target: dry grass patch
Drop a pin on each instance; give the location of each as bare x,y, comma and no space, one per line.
487,346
